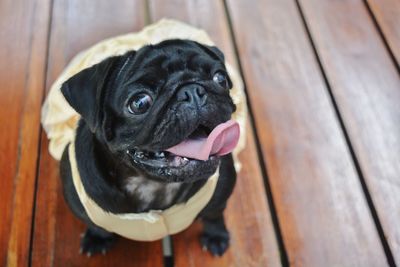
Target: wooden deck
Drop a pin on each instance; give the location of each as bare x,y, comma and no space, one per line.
321,179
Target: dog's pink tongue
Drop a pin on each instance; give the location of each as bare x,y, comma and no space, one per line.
222,140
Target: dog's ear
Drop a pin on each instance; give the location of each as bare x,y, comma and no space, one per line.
217,52
213,51
85,90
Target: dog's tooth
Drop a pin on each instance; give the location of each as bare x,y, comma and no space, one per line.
177,158
160,154
184,161
139,154
176,161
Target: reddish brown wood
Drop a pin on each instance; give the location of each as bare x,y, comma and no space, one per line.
322,211
23,41
248,216
75,26
366,86
387,14
208,15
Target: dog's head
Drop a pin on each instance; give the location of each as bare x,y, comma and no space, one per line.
165,109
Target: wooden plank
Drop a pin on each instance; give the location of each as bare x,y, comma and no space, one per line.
366,87
23,41
387,14
322,211
76,25
253,238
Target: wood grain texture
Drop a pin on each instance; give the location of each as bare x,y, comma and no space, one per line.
322,211
366,87
387,14
247,215
75,26
321,208
23,42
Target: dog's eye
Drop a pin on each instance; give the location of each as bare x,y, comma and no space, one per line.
140,103
220,78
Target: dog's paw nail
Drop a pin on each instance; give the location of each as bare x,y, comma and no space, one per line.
216,245
103,251
80,250
82,235
89,254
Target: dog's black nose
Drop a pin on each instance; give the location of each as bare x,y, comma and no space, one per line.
192,93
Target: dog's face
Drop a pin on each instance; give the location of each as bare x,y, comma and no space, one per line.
142,103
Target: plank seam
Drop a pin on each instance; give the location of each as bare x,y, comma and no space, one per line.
40,133
382,36
17,178
147,14
371,206
22,109
275,220
167,242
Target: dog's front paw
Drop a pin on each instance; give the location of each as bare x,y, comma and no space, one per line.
92,243
216,244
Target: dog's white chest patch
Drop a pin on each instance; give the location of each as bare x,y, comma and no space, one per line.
148,192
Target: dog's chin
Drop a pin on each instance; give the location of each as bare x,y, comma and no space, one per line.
168,167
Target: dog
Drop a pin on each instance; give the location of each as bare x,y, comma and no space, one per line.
150,137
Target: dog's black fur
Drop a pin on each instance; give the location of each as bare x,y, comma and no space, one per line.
114,143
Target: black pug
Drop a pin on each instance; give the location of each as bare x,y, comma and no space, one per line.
137,112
